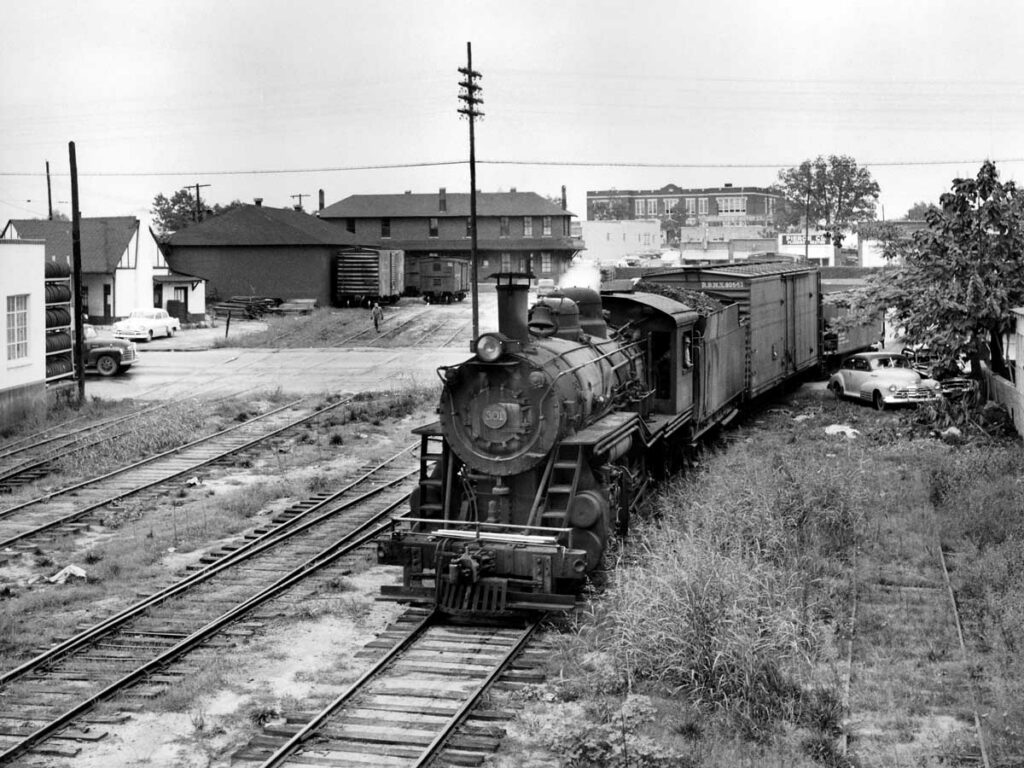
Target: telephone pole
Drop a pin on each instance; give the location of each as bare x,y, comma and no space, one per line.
199,210
470,94
49,194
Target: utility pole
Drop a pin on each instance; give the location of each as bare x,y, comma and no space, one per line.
199,209
49,195
471,96
76,275
300,196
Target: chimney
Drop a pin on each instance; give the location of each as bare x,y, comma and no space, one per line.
728,184
442,200
564,205
321,201
258,201
512,190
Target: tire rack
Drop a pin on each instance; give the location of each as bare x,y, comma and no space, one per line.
147,473
319,519
59,336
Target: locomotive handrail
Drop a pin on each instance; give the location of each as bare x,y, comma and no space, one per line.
477,525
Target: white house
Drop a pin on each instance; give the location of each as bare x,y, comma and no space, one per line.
116,276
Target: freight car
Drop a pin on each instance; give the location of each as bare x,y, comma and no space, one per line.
439,280
363,276
549,436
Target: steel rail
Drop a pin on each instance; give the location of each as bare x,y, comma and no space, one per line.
248,550
191,468
353,540
457,718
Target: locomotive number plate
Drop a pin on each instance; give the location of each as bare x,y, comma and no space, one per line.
495,416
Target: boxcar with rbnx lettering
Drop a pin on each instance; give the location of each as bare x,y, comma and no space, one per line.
363,276
778,301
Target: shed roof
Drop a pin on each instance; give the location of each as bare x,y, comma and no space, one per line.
104,239
259,225
456,204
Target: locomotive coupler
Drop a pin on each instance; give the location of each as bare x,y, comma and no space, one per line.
468,567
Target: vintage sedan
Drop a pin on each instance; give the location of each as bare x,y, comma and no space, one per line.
145,324
107,356
882,379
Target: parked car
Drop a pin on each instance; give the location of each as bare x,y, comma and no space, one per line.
145,324
107,356
882,379
953,376
295,307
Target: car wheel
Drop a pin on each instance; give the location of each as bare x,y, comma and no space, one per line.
170,332
150,334
107,365
878,401
837,390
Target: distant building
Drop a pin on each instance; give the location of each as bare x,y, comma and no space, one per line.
516,231
693,209
816,246
870,246
22,329
117,263
609,242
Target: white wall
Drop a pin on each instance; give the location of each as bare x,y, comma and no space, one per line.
22,272
611,241
818,250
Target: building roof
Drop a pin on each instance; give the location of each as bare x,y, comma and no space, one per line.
511,245
104,239
411,205
256,225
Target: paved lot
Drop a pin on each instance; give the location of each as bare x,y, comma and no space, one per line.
214,372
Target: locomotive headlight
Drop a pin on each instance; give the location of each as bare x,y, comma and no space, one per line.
489,348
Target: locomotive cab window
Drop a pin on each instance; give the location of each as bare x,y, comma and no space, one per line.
661,359
687,351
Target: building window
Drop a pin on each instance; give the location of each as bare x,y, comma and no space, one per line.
506,262
433,226
504,227
469,226
17,327
350,225
527,226
731,206
546,228
437,266
385,227
702,207
545,262
647,238
670,204
652,207
691,206
638,207
769,206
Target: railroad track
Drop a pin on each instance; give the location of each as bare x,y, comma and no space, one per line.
415,704
66,510
45,702
28,458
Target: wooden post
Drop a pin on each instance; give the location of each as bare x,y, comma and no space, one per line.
76,274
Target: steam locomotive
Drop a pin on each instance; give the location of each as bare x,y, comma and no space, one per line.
548,437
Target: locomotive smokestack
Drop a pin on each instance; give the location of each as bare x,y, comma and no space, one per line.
513,288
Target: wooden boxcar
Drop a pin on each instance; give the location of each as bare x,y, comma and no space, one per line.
439,279
366,275
778,301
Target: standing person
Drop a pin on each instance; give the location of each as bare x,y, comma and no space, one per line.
378,315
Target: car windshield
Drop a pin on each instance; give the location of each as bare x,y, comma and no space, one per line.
896,361
143,313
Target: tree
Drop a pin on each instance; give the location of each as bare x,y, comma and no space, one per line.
179,211
832,193
919,211
954,283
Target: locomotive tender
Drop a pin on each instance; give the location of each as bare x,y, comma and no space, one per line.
548,436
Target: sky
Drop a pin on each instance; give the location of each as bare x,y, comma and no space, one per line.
259,98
